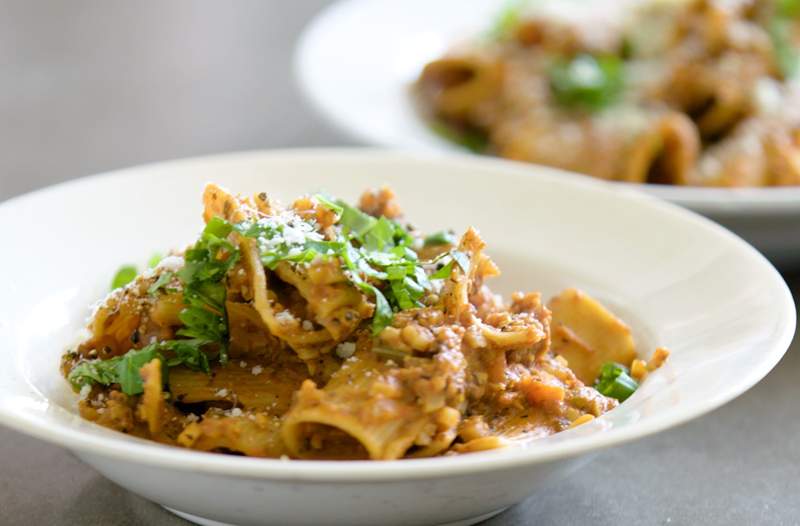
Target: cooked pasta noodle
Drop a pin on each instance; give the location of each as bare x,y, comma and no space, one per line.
325,331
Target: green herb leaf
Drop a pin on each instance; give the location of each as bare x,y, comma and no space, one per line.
442,237
788,8
124,275
375,254
154,260
507,20
383,315
444,272
381,235
472,139
328,203
124,370
615,382
204,293
163,280
202,324
588,82
94,372
786,54
354,220
188,353
128,377
218,227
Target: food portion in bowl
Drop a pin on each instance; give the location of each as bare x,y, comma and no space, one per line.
327,331
684,92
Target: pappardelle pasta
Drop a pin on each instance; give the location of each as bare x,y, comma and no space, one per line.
684,92
327,331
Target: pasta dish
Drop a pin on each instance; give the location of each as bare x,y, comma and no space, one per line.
683,92
323,330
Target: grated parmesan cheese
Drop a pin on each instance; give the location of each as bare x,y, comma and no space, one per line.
257,370
171,263
284,317
307,325
222,392
345,350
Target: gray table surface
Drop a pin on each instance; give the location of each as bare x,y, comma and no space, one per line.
88,86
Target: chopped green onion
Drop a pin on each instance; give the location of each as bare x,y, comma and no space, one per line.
124,275
587,82
615,382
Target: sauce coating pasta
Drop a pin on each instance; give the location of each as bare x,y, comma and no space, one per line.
326,331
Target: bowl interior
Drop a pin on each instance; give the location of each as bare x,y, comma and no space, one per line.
679,280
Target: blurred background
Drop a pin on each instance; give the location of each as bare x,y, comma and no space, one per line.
90,86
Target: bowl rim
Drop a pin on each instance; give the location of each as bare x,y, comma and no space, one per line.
143,452
720,202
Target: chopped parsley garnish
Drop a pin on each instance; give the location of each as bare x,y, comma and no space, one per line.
124,275
204,318
380,249
124,370
444,272
163,280
154,260
615,382
587,82
375,253
204,293
282,238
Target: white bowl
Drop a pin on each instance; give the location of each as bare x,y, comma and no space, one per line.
357,60
680,280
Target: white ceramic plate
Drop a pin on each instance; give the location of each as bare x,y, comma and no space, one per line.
681,281
357,59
